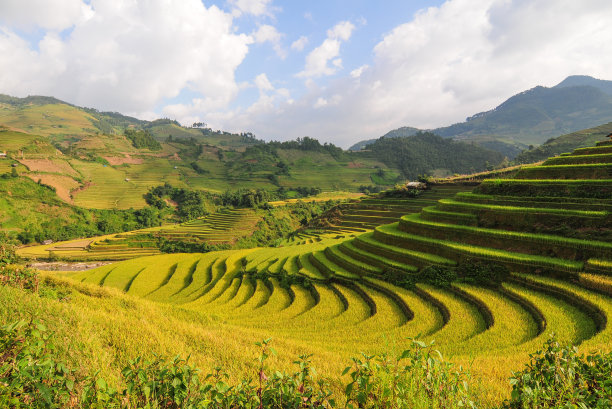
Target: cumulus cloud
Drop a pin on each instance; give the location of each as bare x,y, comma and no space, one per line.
262,83
254,7
317,62
129,56
356,73
445,64
300,43
55,15
267,33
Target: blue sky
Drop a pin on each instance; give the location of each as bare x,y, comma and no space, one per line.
340,71
312,19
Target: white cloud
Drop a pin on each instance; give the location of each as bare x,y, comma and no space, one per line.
341,31
449,62
254,7
52,15
317,60
267,33
130,56
321,102
263,83
300,43
356,73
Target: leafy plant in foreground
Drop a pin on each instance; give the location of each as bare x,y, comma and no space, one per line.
32,377
558,377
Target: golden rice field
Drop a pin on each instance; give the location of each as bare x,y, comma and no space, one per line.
335,296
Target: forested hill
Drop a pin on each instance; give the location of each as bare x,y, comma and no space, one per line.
534,116
396,133
428,153
565,143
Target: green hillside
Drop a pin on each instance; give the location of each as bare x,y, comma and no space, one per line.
534,116
488,274
105,160
565,143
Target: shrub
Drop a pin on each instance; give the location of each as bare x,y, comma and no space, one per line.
32,377
29,375
439,276
558,377
19,277
482,272
7,250
419,375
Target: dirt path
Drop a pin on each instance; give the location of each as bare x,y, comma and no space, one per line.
67,266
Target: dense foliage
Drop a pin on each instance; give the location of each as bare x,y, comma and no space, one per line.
425,152
190,204
142,139
476,272
90,222
253,198
32,377
559,377
279,223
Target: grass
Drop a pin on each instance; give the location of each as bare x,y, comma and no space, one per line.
583,188
390,234
509,318
324,295
580,159
482,235
474,207
547,202
600,302
580,171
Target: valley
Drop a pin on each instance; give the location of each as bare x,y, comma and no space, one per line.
211,247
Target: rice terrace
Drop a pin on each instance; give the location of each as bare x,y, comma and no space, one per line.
169,263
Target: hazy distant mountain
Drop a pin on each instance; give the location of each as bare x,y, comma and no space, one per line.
579,80
534,116
396,133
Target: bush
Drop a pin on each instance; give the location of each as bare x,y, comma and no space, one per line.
29,374
32,377
558,377
438,275
7,249
19,277
419,375
482,272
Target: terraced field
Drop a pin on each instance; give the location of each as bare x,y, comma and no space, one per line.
363,215
338,295
225,226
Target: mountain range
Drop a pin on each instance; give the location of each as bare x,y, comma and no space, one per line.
531,117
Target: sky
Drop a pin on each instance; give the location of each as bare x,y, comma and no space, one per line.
336,70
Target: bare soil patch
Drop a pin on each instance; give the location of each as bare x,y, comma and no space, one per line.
120,160
49,166
63,184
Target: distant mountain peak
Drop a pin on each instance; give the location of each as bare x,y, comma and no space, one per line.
585,80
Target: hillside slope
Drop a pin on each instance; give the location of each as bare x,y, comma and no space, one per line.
488,275
565,143
534,116
108,161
